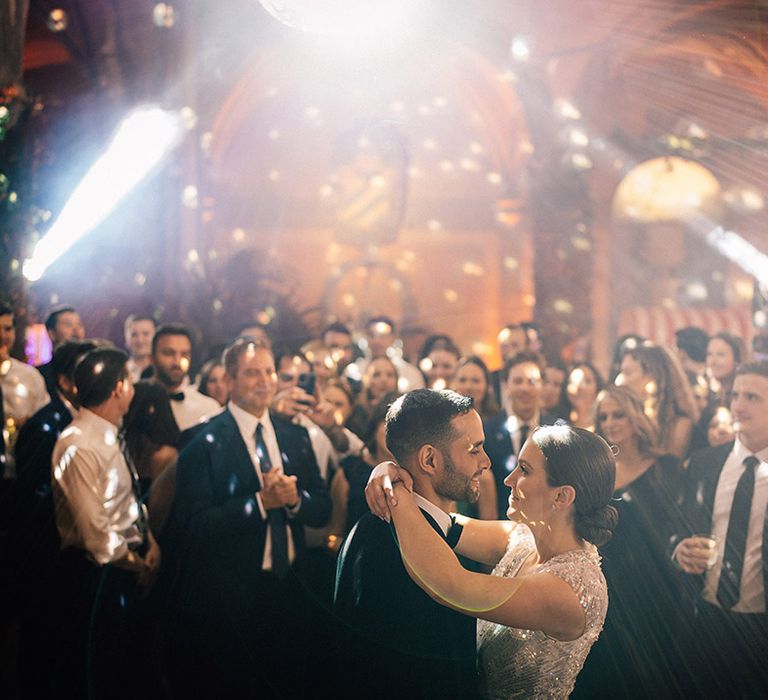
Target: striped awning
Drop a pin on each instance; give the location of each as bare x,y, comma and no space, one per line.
659,325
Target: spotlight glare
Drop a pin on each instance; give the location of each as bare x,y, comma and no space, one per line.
740,251
520,49
360,25
141,141
33,269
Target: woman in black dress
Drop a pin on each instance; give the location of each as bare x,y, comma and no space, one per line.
641,652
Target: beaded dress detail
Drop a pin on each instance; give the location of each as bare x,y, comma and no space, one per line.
516,663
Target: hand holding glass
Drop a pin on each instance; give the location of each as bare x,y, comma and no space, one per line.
708,543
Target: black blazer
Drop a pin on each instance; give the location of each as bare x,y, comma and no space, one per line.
498,447
34,541
35,443
216,510
698,502
48,375
393,630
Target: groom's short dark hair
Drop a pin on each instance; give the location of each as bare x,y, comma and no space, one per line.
423,417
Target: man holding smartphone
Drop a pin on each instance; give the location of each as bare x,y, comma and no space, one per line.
300,399
296,401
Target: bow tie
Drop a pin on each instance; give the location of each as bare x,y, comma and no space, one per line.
179,396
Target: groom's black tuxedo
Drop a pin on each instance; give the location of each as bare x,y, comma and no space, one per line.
398,640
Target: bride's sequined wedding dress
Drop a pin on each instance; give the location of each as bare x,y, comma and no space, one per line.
515,663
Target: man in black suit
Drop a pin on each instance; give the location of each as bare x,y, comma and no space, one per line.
725,498
395,630
246,486
507,431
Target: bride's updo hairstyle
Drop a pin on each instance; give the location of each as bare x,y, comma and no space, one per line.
577,457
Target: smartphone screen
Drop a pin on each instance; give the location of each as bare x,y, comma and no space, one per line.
307,382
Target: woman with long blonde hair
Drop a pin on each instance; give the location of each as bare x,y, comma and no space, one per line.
654,373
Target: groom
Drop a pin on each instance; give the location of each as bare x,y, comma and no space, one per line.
395,634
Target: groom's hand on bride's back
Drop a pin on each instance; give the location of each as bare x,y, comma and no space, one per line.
379,493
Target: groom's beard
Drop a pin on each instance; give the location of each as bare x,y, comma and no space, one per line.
456,486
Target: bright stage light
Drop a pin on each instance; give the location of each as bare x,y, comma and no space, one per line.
141,141
363,26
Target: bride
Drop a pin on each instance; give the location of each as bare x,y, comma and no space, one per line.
544,605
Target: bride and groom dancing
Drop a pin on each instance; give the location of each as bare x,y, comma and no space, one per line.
410,608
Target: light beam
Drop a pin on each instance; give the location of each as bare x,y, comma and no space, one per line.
142,139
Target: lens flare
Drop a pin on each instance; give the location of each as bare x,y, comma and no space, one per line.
142,140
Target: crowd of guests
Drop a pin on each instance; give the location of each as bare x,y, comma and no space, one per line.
170,532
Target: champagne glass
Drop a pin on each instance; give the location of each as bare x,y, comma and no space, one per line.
708,542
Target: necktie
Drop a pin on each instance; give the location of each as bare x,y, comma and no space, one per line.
736,539
275,516
178,396
142,521
523,436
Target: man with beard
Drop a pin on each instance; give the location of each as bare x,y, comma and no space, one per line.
394,629
172,356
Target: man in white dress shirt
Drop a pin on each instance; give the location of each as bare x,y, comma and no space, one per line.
726,500
172,356
106,544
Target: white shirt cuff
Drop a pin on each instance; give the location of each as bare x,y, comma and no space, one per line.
262,509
